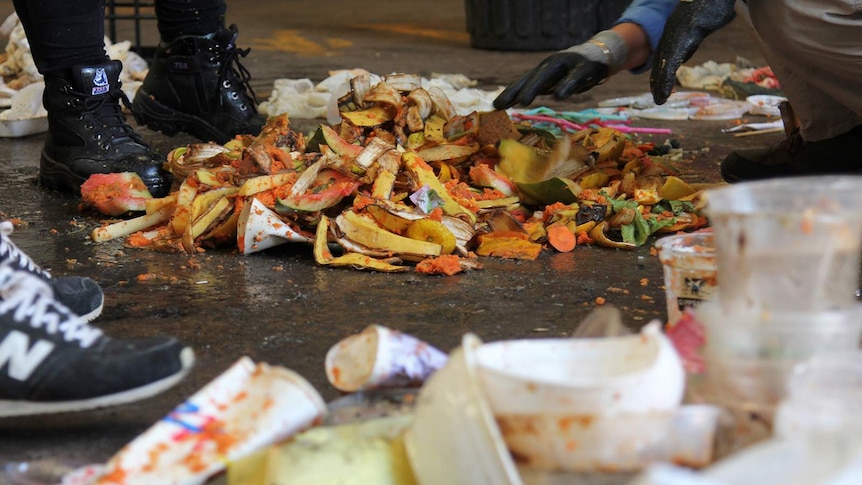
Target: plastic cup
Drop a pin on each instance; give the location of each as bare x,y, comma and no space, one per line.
259,228
750,356
690,273
379,357
788,244
822,402
247,408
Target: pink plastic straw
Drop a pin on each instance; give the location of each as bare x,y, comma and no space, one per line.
635,129
548,119
574,126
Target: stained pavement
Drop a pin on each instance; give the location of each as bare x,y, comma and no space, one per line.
279,307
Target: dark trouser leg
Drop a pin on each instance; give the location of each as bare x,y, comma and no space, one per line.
63,33
178,18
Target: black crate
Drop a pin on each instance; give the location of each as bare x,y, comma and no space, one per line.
136,12
538,24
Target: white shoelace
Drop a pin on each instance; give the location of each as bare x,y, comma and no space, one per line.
31,300
8,250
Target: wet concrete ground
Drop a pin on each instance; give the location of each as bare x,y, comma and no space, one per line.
279,307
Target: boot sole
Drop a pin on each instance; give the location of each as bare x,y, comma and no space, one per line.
57,176
54,175
10,409
159,117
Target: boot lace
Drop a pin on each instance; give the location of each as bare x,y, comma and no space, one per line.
29,299
104,113
232,71
10,252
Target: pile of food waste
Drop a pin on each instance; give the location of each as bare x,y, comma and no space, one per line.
404,182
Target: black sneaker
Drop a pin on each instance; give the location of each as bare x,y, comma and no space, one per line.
197,84
51,361
796,157
82,296
88,132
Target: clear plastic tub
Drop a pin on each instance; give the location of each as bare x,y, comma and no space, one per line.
823,399
788,244
749,359
690,273
794,336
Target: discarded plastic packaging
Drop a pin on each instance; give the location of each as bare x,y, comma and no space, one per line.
632,373
775,461
454,438
260,228
604,321
248,407
749,357
822,402
690,273
379,357
788,244
764,104
584,404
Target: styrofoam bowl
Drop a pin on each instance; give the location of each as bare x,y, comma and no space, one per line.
637,373
587,443
454,438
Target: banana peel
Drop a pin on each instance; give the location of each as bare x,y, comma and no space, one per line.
217,212
599,235
610,143
529,165
424,175
432,231
508,245
262,183
389,221
383,185
323,256
369,234
448,151
373,116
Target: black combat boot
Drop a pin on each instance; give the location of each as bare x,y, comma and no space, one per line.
88,133
197,85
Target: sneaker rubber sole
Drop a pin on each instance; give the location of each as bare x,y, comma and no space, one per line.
93,314
10,409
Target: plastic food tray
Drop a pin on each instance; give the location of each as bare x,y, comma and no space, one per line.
23,127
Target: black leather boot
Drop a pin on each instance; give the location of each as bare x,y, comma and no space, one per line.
88,133
197,85
794,156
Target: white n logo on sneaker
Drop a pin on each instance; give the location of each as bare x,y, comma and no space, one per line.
22,360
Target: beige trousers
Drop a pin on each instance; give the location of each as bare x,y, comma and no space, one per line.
815,50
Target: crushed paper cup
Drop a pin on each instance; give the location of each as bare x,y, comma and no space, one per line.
379,357
247,408
260,228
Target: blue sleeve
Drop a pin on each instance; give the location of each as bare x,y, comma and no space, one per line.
651,16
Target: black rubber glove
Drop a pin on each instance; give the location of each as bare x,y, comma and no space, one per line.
687,26
562,74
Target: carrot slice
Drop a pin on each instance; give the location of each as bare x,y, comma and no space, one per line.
561,238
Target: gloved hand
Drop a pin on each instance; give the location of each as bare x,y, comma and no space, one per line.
574,70
689,23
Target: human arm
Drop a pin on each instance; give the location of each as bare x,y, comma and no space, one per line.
626,45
